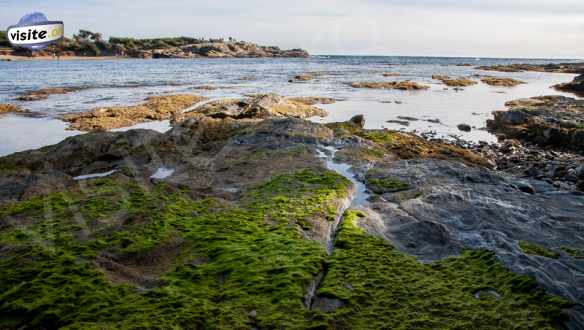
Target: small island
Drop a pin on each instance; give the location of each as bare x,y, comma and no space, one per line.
92,44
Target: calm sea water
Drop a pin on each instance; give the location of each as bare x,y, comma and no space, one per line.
129,81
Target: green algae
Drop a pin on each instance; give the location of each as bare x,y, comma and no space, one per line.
383,288
381,185
538,250
239,265
574,253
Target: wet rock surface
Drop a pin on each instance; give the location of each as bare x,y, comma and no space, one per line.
448,207
547,121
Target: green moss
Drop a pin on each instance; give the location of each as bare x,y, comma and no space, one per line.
538,250
381,185
383,288
574,253
240,265
177,263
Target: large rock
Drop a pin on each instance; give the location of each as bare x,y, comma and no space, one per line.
401,85
576,86
260,106
551,121
560,68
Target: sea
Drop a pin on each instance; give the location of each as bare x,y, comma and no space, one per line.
438,110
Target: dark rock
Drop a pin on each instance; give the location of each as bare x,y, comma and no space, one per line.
464,127
358,120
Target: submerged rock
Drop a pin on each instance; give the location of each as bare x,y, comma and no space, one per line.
402,85
44,93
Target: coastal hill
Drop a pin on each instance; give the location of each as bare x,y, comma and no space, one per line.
87,43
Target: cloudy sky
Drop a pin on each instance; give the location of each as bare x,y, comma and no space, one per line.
497,28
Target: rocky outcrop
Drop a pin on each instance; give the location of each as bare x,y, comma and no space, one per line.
303,77
576,86
240,212
454,82
559,68
502,82
44,93
548,121
401,85
154,108
217,50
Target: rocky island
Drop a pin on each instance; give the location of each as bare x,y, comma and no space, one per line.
92,44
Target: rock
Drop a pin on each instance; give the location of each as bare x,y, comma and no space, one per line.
400,122
239,49
464,127
358,120
259,106
552,121
302,77
504,82
454,82
391,74
313,100
9,108
459,207
408,118
559,68
154,108
576,86
401,85
44,93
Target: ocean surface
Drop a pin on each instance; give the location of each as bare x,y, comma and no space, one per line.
129,81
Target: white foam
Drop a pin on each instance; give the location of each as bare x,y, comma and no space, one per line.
162,173
94,175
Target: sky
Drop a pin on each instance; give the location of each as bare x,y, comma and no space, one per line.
476,28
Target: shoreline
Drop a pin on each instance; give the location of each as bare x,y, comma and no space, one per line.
16,58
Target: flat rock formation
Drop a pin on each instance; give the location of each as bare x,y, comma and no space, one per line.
154,108
558,68
576,86
501,82
402,85
548,121
244,223
454,82
44,93
260,106
9,108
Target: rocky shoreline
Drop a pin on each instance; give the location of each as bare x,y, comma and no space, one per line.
247,215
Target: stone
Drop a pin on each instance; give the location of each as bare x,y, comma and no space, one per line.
464,127
401,85
503,82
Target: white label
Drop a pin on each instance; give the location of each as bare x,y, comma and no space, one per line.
35,34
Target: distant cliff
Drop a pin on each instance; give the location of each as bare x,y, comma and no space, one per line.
87,43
